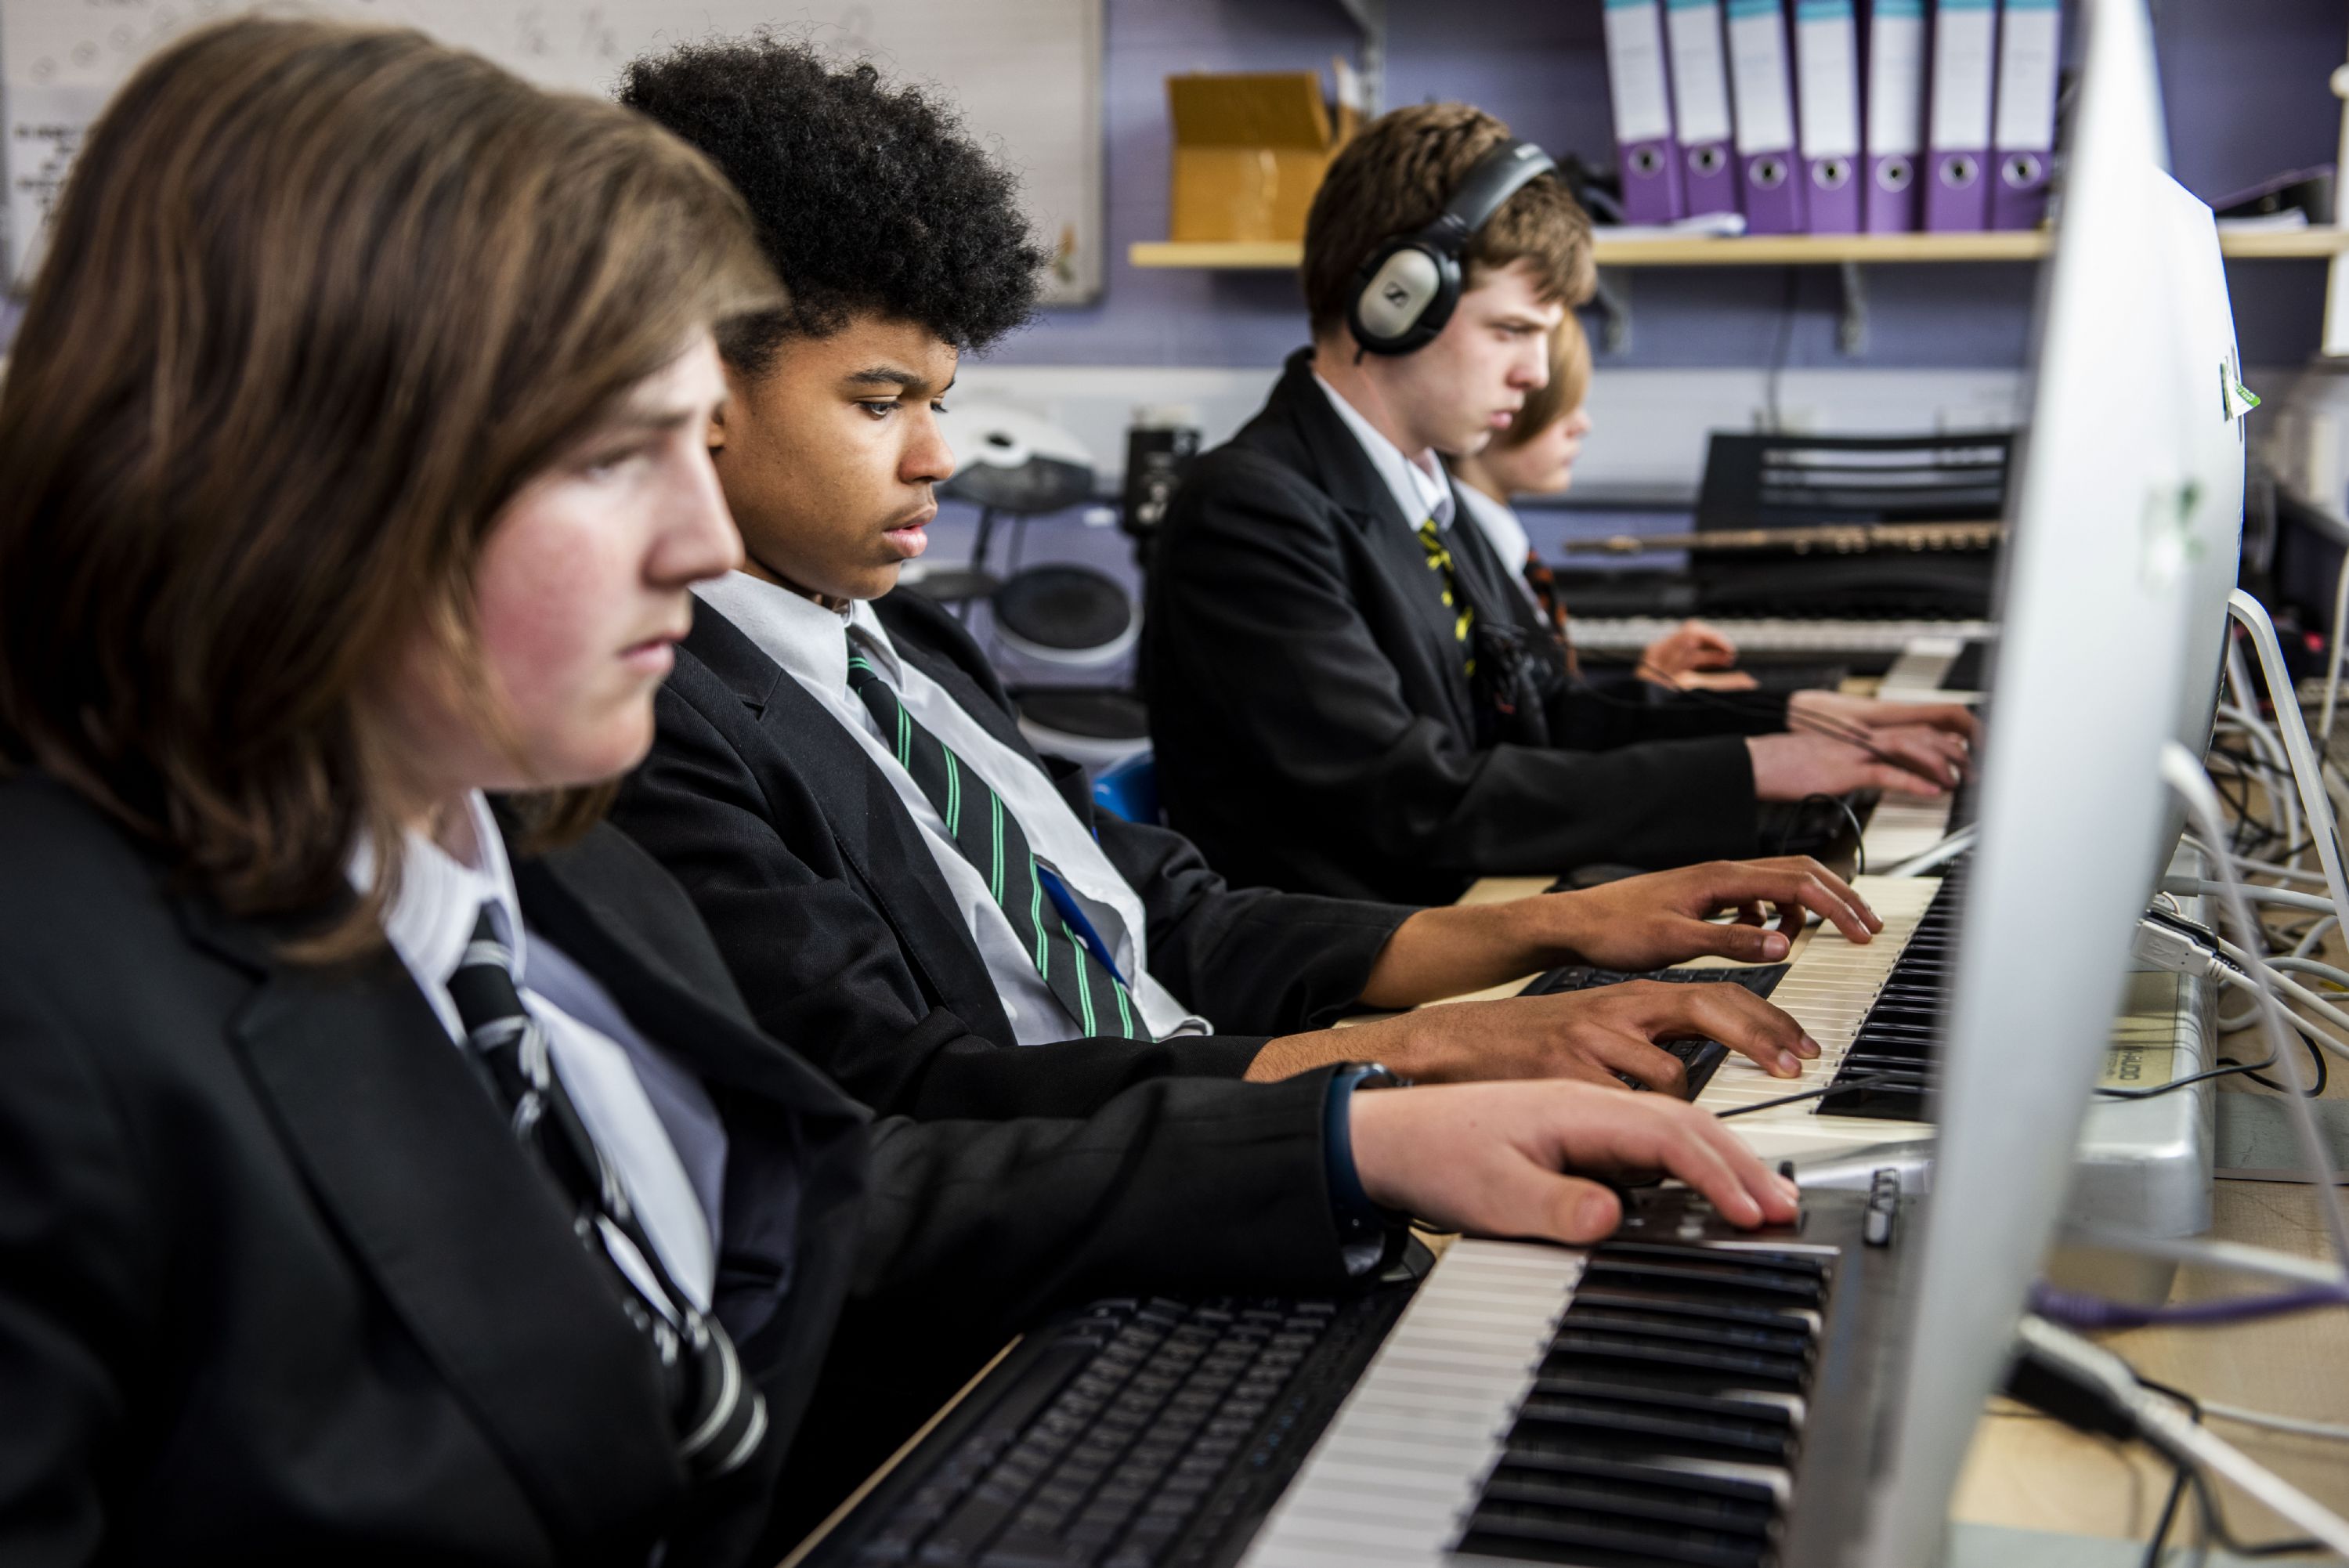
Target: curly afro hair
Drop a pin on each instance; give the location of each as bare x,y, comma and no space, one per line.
868,198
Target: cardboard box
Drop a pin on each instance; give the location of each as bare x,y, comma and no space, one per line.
1250,151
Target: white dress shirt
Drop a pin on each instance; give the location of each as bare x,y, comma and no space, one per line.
1419,486
809,641
641,1107
1506,533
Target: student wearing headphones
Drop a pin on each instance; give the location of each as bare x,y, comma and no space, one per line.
839,778
1346,695
1535,456
389,1172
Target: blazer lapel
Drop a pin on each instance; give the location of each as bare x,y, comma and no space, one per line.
1351,481
468,1241
870,825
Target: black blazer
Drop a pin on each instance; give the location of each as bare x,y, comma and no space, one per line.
277,1286
1314,727
823,895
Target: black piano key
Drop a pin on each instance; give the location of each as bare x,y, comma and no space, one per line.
1660,1326
1615,1494
1763,1486
1625,1424
1725,1368
1793,1262
1759,1284
1625,1297
1601,1383
1533,1532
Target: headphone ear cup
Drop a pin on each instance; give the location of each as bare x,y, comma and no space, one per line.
1402,296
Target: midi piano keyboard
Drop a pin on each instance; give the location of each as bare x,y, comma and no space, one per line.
1705,1401
1829,986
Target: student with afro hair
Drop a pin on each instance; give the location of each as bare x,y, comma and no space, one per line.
900,885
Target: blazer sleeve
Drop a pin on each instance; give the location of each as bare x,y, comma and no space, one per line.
1249,958
1600,714
1175,1185
1255,599
79,1276
822,971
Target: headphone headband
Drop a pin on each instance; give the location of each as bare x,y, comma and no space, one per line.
1485,189
1406,292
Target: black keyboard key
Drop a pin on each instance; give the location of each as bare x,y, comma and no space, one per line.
1024,1548
1544,1534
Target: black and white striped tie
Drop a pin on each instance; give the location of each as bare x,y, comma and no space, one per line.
721,1418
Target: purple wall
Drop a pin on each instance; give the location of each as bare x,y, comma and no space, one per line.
2246,81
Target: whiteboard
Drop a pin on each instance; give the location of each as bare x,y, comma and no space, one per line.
1026,75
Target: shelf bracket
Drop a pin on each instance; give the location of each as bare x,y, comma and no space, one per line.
1613,297
1851,325
1371,17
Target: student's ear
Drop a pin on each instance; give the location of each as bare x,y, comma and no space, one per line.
717,433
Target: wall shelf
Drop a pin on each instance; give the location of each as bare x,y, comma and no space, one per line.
1763,250
1846,253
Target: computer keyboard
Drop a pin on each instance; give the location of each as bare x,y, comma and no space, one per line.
1129,1430
1701,1059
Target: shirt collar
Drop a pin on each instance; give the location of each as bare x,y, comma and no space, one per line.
805,637
1503,529
1419,494
440,899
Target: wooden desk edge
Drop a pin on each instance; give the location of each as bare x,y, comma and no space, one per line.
815,1538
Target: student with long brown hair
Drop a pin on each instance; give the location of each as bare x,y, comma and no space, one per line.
390,1175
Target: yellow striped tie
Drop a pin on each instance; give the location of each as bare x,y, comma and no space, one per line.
1439,559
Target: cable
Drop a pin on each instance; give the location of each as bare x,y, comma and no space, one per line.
1859,833
1869,1081
2096,1392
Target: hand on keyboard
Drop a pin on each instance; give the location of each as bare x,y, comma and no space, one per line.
1949,718
1491,1158
1651,922
1798,765
1591,1036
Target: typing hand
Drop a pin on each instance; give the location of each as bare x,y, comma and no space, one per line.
1836,708
1908,761
1693,656
1491,1158
1649,922
1590,1035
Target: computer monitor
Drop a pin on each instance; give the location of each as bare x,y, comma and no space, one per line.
2116,513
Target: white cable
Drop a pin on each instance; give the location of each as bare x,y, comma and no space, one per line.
2169,1427
2235,1257
2308,943
2182,773
2333,654
2299,965
2331,1042
2274,1422
2256,893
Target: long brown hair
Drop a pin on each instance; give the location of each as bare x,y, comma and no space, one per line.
318,299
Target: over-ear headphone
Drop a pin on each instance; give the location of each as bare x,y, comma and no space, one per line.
1407,289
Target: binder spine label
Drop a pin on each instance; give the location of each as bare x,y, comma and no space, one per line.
1896,113
1700,120
1644,115
1768,175
2030,33
1827,105
1957,193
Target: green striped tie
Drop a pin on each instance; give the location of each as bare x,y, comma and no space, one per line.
990,838
1439,559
